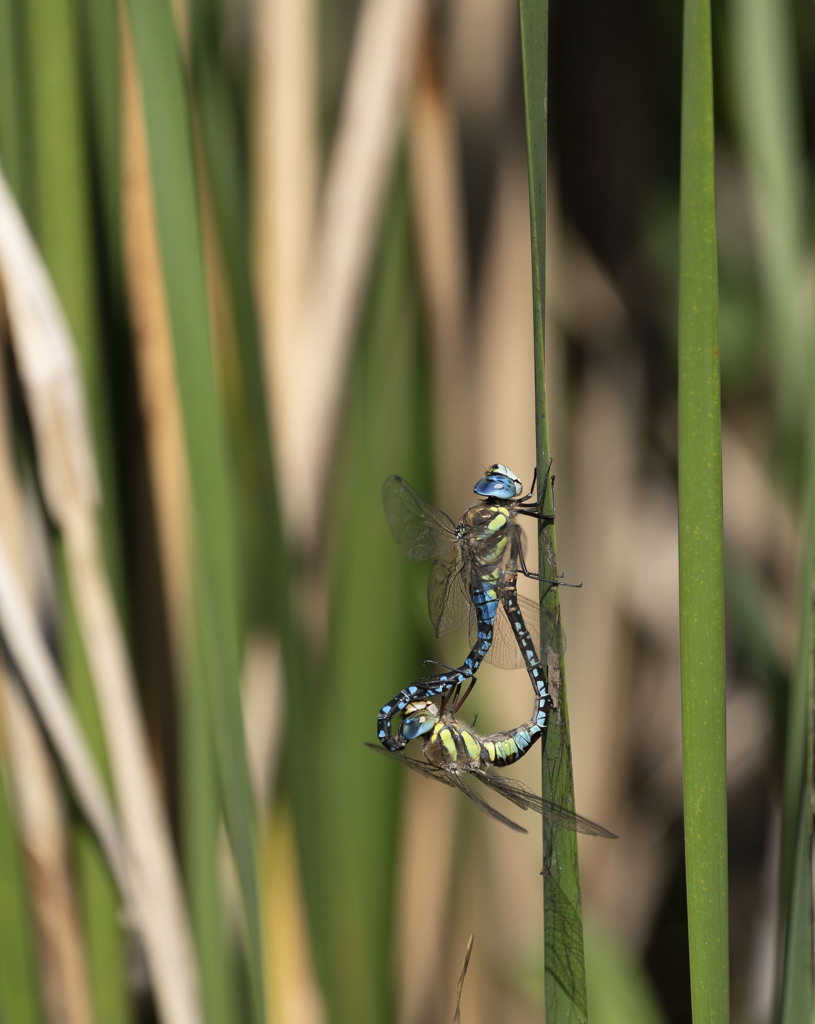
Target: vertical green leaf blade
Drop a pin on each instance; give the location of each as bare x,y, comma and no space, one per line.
796,999
352,922
201,824
100,899
765,80
796,996
765,89
701,581
170,141
101,35
61,213
12,100
19,983
565,978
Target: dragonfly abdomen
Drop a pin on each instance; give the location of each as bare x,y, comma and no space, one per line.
505,748
509,597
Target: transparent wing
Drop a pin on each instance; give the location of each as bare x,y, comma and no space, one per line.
450,777
564,955
448,598
422,767
522,796
421,531
512,789
504,651
463,781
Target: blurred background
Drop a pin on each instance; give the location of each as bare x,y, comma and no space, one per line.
291,243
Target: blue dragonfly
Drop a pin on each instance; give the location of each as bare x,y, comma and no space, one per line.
473,578
456,755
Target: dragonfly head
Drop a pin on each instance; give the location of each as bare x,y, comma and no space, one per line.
418,718
499,482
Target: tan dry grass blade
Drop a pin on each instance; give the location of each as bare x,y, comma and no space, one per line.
36,785
63,971
380,73
55,400
503,326
286,177
437,191
47,691
294,994
461,977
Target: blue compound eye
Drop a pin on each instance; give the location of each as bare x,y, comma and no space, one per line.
418,718
499,482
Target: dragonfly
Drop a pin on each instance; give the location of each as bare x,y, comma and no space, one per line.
457,756
473,577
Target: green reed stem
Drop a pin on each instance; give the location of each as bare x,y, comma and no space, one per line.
565,977
701,577
20,998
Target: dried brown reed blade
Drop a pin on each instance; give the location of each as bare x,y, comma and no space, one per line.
42,829
437,207
286,178
460,986
55,400
381,67
47,691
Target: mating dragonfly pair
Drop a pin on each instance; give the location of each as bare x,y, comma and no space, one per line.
473,578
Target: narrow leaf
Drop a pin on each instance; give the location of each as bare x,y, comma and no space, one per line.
701,579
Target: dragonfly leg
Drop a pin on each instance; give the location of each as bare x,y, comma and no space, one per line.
528,572
539,576
536,505
456,703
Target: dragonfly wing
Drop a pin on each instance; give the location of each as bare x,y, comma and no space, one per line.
564,957
565,818
462,781
505,652
421,531
450,777
522,796
422,767
447,595
553,638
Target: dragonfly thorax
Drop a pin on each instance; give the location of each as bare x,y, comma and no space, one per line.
454,745
499,482
488,532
